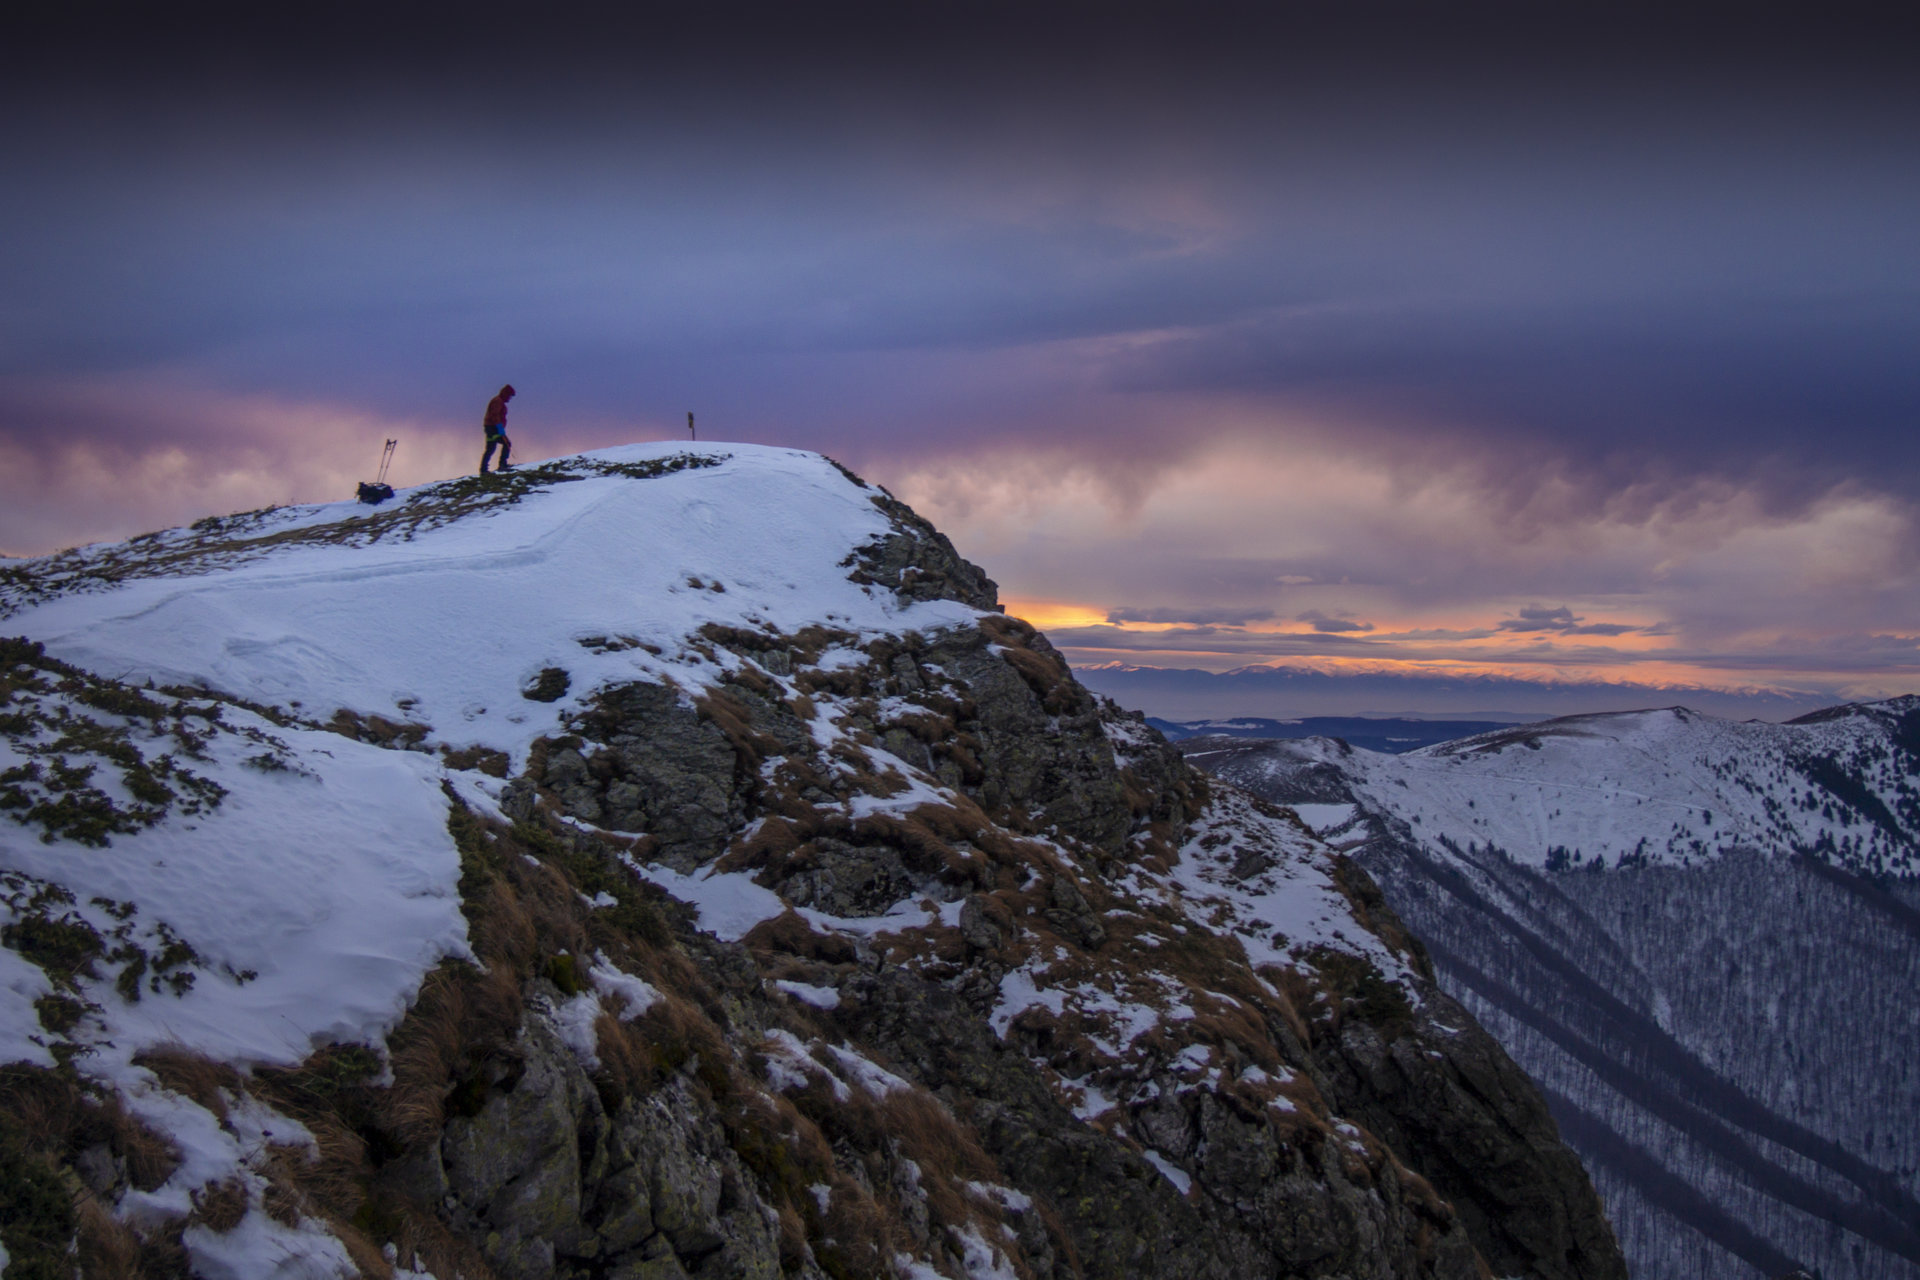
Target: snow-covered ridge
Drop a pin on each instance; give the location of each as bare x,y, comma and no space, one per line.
443,607
1668,786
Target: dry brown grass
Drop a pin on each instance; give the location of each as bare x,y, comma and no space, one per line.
500,927
551,904
729,715
754,680
53,1115
1371,910
811,641
193,1075
923,849
458,1039
378,730
875,1134
366,1255
439,1250
777,837
790,934
460,1018
485,759
1005,629
151,1158
219,1206
105,1248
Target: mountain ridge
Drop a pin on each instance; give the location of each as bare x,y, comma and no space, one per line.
805,916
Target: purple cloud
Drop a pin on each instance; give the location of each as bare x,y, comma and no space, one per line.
1322,623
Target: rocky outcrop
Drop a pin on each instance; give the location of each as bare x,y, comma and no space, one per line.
1163,1105
916,560
552,1183
1440,1090
659,767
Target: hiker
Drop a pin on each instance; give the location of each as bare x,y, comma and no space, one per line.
496,428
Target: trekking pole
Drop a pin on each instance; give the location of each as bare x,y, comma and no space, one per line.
386,459
690,434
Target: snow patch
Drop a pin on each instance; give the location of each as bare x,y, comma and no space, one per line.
729,903
805,993
1182,1180
573,1021
635,996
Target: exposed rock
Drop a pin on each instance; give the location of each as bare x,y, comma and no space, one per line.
1383,1136
918,562
1444,1095
654,765
1044,756
555,1186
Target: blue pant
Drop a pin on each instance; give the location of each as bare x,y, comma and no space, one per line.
505,446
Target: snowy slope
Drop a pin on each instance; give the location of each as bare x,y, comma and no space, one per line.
1669,787
324,867
296,885
445,618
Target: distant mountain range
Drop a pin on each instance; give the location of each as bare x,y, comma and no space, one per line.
1373,733
1699,936
1183,694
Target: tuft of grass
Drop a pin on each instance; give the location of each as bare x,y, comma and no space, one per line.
403,735
564,974
485,759
220,1206
192,1075
550,685
1360,990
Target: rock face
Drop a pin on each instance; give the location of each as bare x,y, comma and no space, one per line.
551,1182
1333,1122
835,951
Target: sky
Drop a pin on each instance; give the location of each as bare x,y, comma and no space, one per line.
1418,358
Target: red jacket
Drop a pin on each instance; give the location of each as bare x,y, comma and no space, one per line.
496,415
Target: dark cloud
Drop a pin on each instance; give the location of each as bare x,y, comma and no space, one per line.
1322,623
1562,621
1764,382
1199,615
1688,250
1214,640
1537,618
